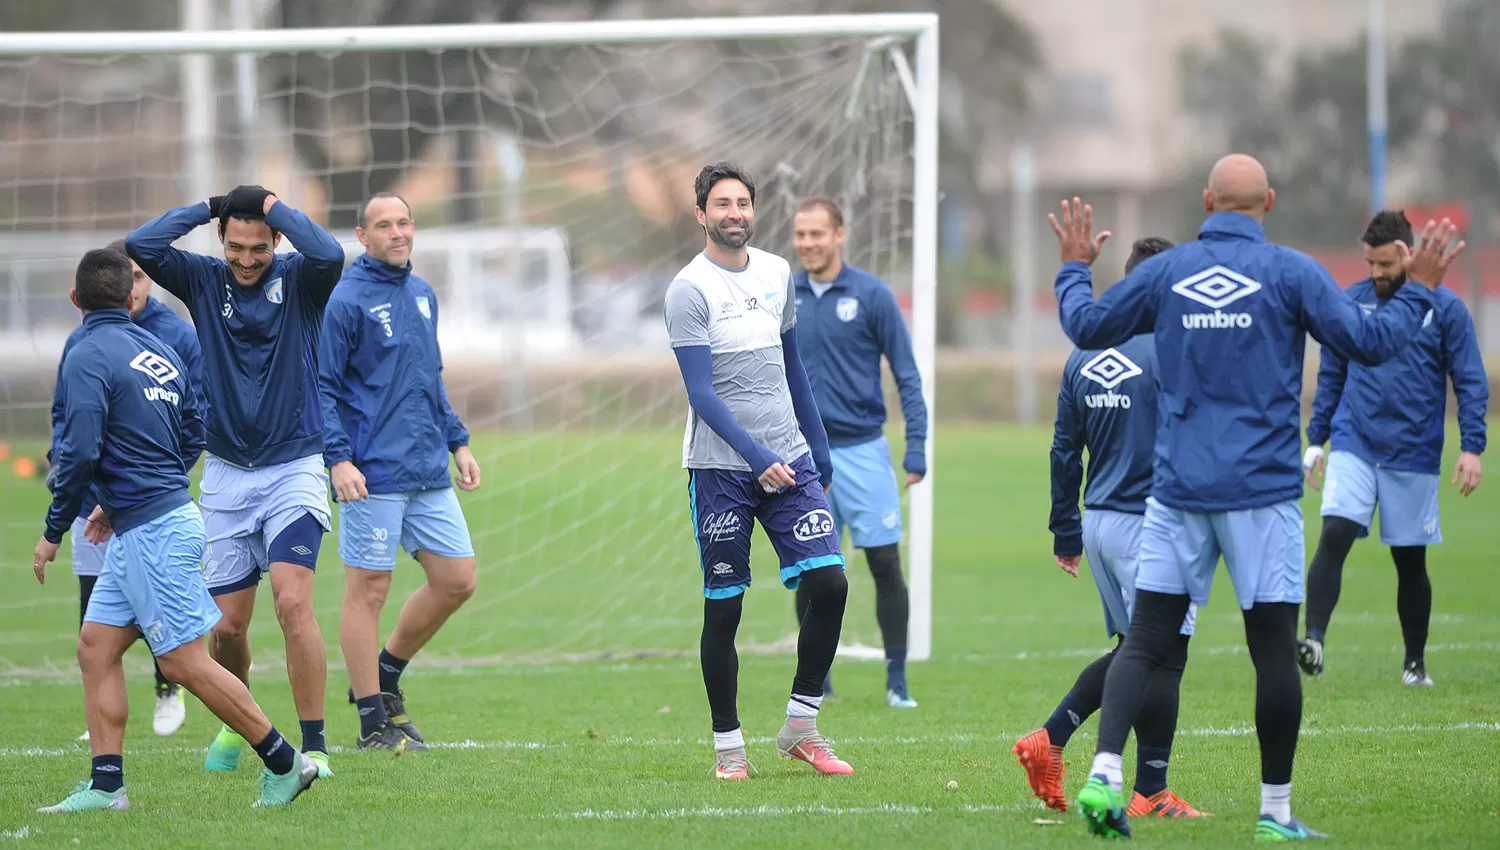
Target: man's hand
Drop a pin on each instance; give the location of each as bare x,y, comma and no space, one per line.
1067,563
216,205
1312,467
914,478
45,553
1466,473
468,469
250,200
777,477
348,482
1075,233
1430,260
98,528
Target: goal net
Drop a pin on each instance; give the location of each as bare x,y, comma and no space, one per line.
550,172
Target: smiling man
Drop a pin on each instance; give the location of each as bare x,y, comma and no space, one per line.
755,450
264,489
388,431
850,320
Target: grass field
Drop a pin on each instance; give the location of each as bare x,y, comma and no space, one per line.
537,748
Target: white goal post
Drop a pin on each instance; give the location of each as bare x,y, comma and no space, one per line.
890,34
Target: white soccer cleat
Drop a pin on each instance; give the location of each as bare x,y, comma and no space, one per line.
171,710
1415,676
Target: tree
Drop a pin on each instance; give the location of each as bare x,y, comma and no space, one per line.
1308,131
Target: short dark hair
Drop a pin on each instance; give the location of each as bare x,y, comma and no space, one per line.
364,208
710,176
826,204
118,245
1145,249
1386,227
103,280
242,216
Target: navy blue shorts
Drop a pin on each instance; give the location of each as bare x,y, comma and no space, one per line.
726,503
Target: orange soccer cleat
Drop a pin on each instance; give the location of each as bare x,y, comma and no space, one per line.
1044,768
1162,804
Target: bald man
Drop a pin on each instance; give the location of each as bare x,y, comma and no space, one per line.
1230,313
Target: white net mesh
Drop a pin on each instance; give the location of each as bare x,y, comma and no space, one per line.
552,187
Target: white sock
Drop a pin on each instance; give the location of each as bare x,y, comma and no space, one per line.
729,740
1109,764
1276,801
803,706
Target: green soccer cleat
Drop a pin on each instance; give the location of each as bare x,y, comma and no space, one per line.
85,799
1103,809
1269,829
321,760
281,789
224,752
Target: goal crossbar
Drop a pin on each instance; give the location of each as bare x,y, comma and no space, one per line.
443,36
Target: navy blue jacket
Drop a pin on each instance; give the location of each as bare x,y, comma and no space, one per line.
1231,313
130,419
1107,406
380,379
165,325
1393,415
841,337
260,343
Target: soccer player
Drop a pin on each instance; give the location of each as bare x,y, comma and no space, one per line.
88,557
1107,407
848,319
130,418
388,432
264,487
1387,425
755,449
1230,314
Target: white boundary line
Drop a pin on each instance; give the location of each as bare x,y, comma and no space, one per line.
81,748
785,811
770,653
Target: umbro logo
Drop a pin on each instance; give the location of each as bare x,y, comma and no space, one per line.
1109,369
1216,287
302,550
159,368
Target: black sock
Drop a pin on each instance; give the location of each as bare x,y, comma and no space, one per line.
276,753
1081,702
391,669
1271,632
1153,633
85,590
371,714
1413,598
800,603
892,609
1326,574
312,737
720,661
818,641
109,773
1157,724
161,681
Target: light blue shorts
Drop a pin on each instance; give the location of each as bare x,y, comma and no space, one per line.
865,496
1408,500
88,558
423,521
1112,542
244,510
1262,547
153,578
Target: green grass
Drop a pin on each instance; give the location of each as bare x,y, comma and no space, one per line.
540,750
